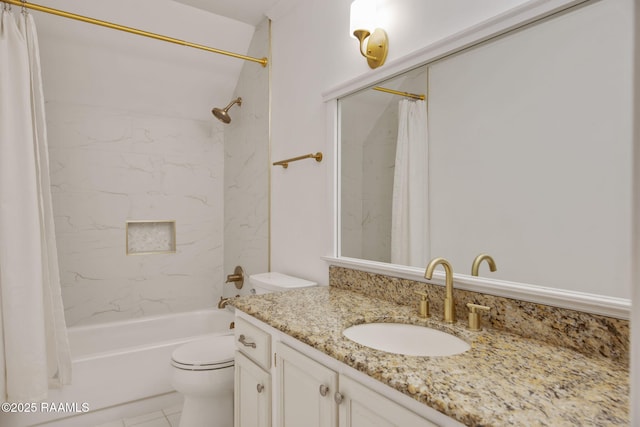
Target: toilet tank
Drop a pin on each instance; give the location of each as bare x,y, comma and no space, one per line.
265,283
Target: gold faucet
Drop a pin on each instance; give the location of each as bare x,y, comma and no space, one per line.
449,305
223,302
476,263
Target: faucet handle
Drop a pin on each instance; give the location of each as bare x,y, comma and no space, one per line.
237,277
474,315
424,304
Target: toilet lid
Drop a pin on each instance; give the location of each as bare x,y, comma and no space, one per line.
274,281
207,353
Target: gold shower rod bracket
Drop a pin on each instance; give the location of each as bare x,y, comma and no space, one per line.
285,163
89,20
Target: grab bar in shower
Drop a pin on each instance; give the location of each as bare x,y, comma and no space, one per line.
285,163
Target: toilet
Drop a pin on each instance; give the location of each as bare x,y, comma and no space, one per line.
202,370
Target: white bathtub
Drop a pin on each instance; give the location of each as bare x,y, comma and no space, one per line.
121,365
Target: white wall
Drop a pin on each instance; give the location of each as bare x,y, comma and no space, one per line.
312,52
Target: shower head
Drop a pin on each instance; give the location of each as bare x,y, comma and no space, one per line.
222,113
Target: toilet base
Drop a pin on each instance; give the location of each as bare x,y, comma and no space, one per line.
208,397
207,411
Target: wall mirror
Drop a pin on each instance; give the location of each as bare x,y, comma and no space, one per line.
524,148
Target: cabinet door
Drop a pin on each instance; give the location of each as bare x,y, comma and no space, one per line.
306,390
252,394
363,407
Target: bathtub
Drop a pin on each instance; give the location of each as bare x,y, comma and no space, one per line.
121,368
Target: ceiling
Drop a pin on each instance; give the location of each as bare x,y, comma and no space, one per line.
247,11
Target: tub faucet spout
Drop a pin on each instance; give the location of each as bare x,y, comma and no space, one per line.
223,302
449,303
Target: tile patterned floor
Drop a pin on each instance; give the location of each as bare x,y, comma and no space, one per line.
169,417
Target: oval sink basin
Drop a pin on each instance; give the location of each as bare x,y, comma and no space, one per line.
410,340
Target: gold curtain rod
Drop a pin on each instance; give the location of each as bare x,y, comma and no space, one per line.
285,163
262,61
395,92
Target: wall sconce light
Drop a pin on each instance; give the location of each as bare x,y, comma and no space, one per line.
363,16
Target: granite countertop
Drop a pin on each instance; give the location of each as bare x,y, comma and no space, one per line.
503,380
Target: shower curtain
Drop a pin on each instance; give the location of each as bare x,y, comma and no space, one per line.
34,350
410,201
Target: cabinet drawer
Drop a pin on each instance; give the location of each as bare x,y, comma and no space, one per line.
253,342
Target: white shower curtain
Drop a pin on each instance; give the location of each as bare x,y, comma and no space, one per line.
34,350
410,202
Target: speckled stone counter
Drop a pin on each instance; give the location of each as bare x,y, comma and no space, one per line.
586,333
503,380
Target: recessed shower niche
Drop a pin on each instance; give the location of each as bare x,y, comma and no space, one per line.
151,237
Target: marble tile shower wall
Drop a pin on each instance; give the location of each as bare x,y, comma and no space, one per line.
112,165
246,172
586,333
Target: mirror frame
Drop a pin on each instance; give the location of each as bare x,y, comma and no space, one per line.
524,14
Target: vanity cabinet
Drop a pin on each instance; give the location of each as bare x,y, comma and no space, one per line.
252,383
363,407
252,394
306,390
300,386
313,395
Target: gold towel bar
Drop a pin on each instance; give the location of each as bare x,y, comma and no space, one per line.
285,163
45,9
396,92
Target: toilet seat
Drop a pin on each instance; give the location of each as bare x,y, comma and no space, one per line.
207,354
